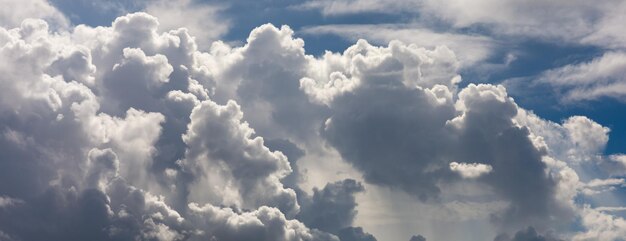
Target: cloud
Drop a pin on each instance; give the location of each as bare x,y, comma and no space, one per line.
117,103
587,134
7,202
332,208
263,224
598,78
417,238
14,12
570,21
610,209
354,234
529,234
576,140
399,147
237,169
470,170
597,186
617,163
129,132
201,19
470,49
351,7
601,226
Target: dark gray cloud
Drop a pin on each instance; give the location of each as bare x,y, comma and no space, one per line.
403,133
293,153
417,238
354,234
332,208
529,234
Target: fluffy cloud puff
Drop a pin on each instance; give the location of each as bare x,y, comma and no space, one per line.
470,170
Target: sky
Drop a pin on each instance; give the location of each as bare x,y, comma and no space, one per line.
346,120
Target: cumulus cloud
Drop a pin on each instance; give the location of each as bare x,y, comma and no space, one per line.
110,99
132,132
264,224
601,226
399,147
577,139
234,168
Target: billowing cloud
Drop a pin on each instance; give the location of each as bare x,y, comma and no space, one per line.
134,132
248,174
414,143
110,151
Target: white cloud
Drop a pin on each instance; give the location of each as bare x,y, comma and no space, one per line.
470,49
263,224
620,160
597,186
577,139
470,170
601,226
610,209
605,182
351,7
237,168
596,23
587,134
201,19
14,12
598,78
7,202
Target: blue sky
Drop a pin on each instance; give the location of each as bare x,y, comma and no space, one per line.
452,120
